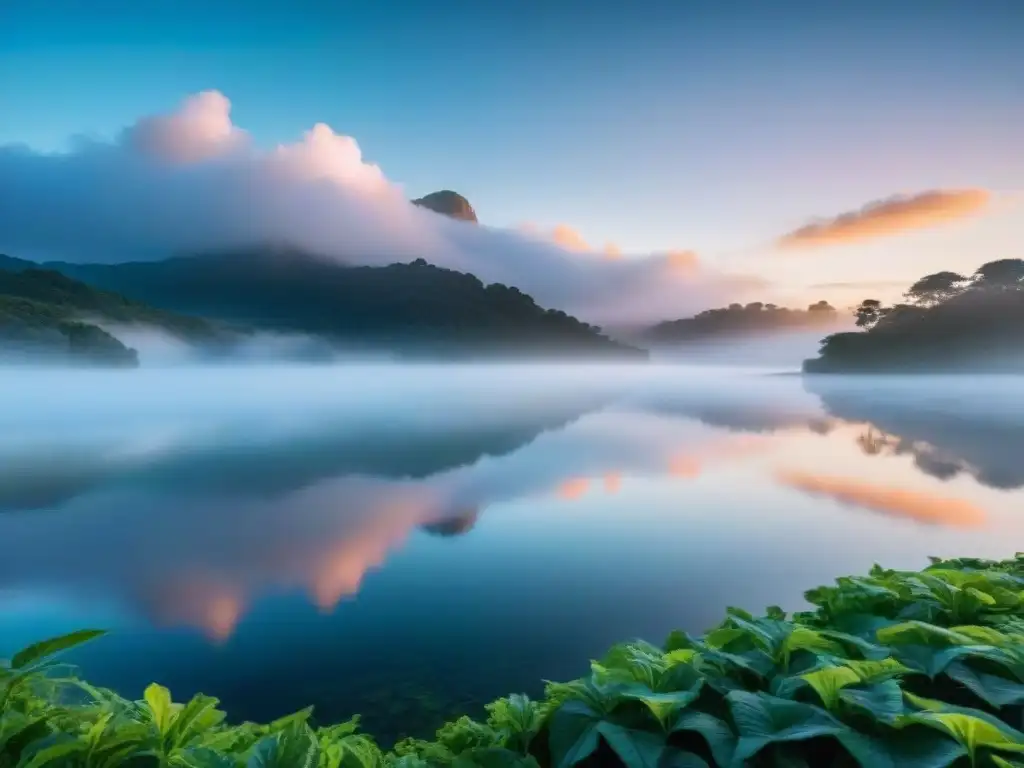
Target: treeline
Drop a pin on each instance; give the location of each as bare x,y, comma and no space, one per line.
947,321
738,319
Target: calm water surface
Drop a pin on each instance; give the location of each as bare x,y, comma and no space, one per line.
410,542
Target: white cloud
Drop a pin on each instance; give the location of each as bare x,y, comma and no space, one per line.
192,181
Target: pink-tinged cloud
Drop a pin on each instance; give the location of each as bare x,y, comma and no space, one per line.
573,488
890,216
919,506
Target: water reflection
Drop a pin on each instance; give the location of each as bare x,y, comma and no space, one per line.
954,425
432,524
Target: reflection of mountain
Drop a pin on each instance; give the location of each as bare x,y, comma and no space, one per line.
949,425
453,526
239,464
174,539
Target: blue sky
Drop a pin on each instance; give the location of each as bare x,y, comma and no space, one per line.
712,124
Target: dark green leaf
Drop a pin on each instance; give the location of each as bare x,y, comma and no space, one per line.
54,645
573,733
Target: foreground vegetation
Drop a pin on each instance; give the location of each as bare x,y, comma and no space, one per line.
893,669
948,322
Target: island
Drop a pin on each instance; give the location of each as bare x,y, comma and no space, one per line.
742,320
948,323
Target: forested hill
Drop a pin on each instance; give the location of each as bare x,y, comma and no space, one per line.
743,320
46,316
413,308
948,322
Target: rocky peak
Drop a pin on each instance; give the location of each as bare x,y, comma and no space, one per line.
448,203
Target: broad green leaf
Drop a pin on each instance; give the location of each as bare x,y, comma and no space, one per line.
294,747
18,729
1001,763
883,701
359,752
877,671
636,749
719,736
806,639
983,635
762,720
197,716
664,706
55,754
160,706
723,636
52,646
573,733
829,682
921,747
972,732
680,656
678,640
921,633
995,691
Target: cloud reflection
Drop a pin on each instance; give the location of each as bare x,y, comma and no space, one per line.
919,506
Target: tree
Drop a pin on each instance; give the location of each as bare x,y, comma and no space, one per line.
821,306
868,313
935,289
1004,273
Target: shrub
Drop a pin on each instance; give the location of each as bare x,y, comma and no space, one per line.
892,669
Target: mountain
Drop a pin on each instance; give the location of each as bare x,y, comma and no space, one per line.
448,203
738,320
409,309
46,316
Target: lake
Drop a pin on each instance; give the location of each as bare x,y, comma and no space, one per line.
410,542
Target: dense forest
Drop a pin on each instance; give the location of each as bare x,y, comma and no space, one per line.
48,317
739,319
408,308
947,322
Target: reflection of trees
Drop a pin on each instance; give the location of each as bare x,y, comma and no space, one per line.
236,463
455,525
947,432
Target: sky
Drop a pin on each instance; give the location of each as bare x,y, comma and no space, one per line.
715,127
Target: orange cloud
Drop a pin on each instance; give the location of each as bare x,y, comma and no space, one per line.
612,251
919,506
612,482
684,466
569,238
891,216
683,261
573,488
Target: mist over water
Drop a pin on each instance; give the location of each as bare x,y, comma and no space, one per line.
363,537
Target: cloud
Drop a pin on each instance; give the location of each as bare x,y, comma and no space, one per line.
921,507
192,181
893,215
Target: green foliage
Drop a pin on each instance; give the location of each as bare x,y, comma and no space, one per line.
898,668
